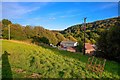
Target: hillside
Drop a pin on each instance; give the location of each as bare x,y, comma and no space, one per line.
105,24
93,29
35,34
23,60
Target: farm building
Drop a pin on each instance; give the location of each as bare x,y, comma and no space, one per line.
89,48
68,45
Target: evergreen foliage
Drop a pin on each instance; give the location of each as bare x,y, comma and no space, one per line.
109,44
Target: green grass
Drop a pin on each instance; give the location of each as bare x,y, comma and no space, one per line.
50,62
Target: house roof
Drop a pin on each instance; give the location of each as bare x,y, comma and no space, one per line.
67,42
88,46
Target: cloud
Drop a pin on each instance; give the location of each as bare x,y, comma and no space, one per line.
15,10
71,15
60,0
28,0
52,18
65,13
102,7
70,11
109,5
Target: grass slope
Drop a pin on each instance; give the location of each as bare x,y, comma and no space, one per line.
31,61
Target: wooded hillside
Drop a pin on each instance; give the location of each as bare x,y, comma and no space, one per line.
93,29
34,33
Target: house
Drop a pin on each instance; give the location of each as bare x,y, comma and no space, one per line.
68,45
89,48
71,49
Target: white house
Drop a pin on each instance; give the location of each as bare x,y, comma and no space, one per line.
68,45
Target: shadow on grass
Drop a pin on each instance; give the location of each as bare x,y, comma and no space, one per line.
6,68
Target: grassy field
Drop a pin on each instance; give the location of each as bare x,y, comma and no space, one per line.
22,60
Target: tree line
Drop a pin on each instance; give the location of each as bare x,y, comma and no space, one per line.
34,33
105,34
93,29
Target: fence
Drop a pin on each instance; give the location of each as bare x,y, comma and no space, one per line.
95,65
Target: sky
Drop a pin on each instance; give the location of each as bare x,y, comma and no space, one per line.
57,15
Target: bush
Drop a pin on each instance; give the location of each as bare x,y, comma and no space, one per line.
109,43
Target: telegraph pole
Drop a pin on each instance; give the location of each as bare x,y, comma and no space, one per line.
84,35
9,32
